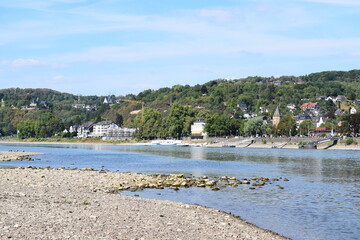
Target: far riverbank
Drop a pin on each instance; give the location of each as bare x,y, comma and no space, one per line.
266,143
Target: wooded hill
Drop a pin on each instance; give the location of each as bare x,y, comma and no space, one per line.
220,97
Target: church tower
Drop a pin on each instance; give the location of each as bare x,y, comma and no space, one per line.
276,117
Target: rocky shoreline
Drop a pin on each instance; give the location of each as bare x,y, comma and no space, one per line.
78,204
16,155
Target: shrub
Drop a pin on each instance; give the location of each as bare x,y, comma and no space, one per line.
350,141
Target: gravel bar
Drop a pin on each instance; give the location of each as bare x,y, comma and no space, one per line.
67,204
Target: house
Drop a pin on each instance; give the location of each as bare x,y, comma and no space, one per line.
198,129
243,107
291,107
339,112
321,121
341,98
74,128
263,109
100,129
276,117
332,98
352,110
91,108
356,101
108,100
38,103
320,131
300,118
85,129
33,103
78,106
310,106
322,98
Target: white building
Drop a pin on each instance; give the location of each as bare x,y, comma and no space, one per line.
352,110
321,121
85,130
198,129
120,133
100,129
108,100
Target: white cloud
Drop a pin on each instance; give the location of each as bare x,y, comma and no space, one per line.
26,63
337,2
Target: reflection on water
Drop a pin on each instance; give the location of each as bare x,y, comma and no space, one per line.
321,200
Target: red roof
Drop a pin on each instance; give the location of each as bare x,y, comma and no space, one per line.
320,129
309,105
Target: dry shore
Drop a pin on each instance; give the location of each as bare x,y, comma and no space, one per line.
12,155
278,143
71,204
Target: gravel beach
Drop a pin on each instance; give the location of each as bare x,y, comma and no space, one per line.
11,155
72,204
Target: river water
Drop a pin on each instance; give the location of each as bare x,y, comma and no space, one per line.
321,200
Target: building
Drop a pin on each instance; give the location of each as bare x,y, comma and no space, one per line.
291,107
321,121
243,107
108,100
276,117
198,129
341,98
310,106
352,110
85,130
300,118
100,129
321,131
118,133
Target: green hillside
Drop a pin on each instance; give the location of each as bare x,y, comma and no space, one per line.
212,100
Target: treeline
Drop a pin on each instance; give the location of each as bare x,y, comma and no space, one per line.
170,111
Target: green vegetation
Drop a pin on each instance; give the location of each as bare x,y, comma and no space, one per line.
169,112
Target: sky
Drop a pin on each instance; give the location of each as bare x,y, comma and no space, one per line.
103,47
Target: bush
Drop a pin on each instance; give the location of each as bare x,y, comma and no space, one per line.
350,141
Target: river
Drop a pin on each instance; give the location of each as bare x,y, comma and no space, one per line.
321,200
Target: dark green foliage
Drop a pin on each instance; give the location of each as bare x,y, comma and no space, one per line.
119,120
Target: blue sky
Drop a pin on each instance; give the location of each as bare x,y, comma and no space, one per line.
101,47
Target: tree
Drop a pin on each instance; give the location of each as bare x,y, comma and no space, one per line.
305,126
354,123
119,120
177,120
255,126
26,129
150,127
287,126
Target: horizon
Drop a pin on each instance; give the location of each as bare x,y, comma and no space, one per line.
93,47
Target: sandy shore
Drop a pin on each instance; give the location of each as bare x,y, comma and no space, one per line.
11,155
71,204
